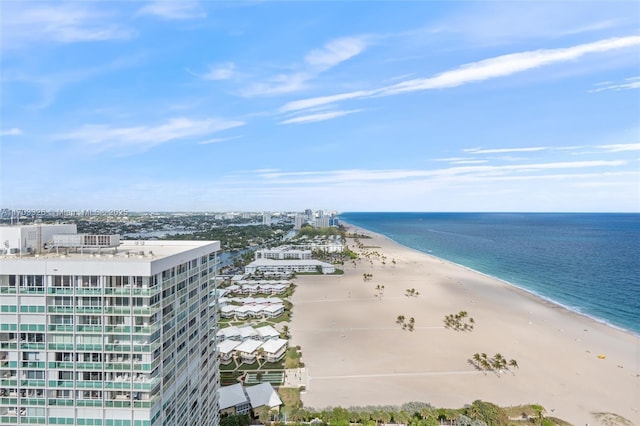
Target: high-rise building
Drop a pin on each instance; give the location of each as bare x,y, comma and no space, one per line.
266,218
98,331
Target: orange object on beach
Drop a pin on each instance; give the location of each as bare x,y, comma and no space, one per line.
601,356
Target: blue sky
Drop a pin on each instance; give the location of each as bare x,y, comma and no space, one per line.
350,106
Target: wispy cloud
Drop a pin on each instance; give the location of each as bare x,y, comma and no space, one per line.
14,131
503,150
315,62
24,23
629,83
218,140
500,66
620,147
319,117
336,176
335,52
174,10
277,85
141,138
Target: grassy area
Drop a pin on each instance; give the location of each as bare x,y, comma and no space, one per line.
290,397
292,358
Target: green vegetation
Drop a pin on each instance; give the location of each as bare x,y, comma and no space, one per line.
292,358
496,363
406,325
459,322
290,399
235,420
411,292
478,413
236,237
311,232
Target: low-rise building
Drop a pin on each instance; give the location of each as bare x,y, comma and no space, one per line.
270,266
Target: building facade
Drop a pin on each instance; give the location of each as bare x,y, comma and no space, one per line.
109,335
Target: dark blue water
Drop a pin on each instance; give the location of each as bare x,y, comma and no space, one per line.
589,263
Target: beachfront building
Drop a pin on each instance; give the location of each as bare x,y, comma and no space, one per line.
285,267
274,349
238,399
98,331
282,253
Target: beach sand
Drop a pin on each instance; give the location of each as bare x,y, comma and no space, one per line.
356,354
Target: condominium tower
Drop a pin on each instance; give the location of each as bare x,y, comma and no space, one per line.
98,331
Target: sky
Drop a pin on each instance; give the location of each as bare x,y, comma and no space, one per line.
347,106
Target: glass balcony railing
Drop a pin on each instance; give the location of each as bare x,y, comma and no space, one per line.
84,328
60,402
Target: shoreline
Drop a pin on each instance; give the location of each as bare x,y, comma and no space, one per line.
541,298
356,353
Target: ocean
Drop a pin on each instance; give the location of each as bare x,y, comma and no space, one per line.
588,263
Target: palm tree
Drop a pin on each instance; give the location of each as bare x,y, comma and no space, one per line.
476,357
285,332
259,356
513,363
400,319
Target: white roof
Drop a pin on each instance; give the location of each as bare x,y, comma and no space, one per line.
229,332
247,331
262,394
256,308
227,308
274,345
226,346
248,346
231,396
285,262
232,287
273,308
267,331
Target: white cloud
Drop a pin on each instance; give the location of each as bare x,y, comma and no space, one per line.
335,52
277,85
468,172
621,147
505,65
503,150
174,10
323,100
217,140
315,62
629,83
220,72
145,137
500,66
11,132
24,23
319,117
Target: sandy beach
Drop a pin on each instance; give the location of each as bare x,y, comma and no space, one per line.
357,354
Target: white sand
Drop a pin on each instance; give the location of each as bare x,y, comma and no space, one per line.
356,353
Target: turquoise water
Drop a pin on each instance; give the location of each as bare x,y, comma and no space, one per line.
589,263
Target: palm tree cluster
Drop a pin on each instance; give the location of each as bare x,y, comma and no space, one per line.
496,363
406,325
367,277
411,292
459,322
380,289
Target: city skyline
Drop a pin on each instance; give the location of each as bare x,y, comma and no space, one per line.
349,106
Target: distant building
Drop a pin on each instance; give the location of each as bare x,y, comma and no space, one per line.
266,218
278,267
282,253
